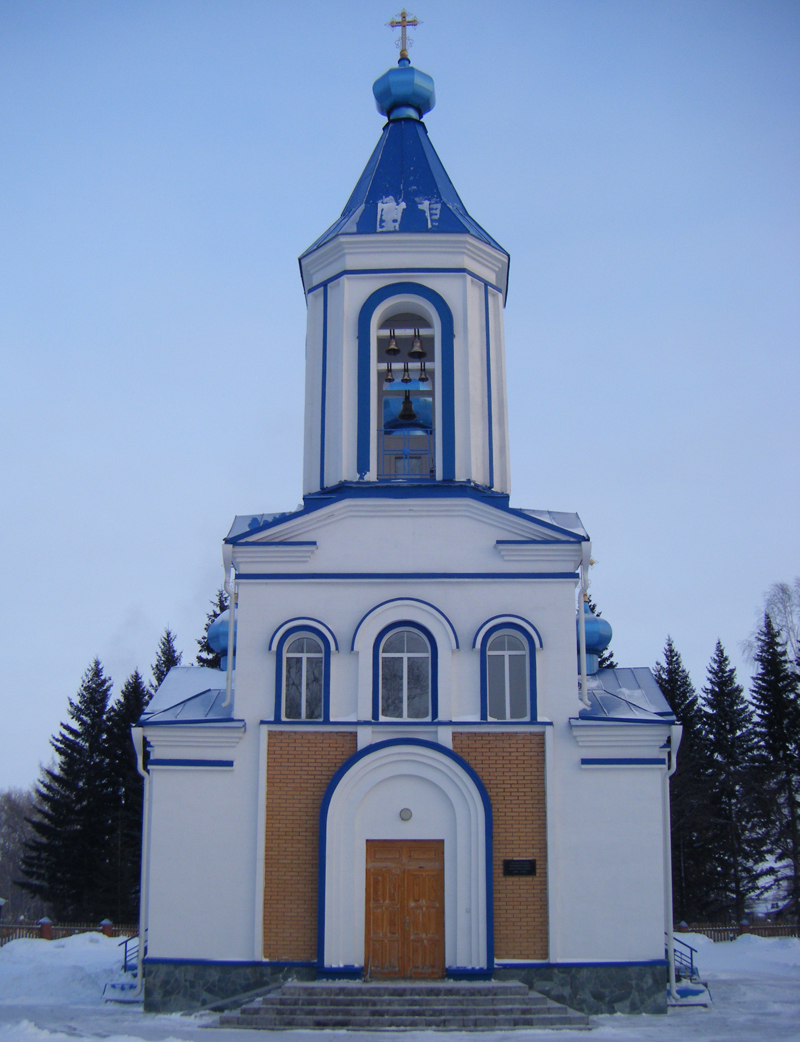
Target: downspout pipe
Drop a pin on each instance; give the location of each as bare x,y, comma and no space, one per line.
675,733
230,589
137,734
586,556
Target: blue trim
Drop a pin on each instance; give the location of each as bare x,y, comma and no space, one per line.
457,725
394,576
302,618
576,965
417,600
326,672
376,669
189,763
156,960
405,490
216,721
621,761
489,385
323,824
324,387
405,271
444,365
508,615
532,708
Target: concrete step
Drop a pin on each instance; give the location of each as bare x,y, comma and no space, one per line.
404,1005
497,1022
391,1003
437,1010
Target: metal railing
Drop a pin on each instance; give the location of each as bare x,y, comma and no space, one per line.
685,968
406,454
130,953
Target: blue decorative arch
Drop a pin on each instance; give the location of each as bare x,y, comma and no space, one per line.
323,838
324,640
531,644
405,624
444,364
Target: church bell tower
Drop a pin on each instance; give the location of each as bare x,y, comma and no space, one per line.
405,369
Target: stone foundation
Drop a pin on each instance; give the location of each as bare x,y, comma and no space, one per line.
611,988
176,987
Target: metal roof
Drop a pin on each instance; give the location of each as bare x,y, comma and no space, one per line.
626,694
189,693
404,188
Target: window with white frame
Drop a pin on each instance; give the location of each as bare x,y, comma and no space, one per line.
405,676
303,678
507,677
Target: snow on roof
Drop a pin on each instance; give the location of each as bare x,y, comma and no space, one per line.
626,694
560,518
189,693
244,523
404,187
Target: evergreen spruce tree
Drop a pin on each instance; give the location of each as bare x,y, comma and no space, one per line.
688,807
66,860
206,656
167,656
606,659
125,852
776,698
734,841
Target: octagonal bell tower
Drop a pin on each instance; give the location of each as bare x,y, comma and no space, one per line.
405,361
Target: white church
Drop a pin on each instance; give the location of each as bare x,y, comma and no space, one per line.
410,765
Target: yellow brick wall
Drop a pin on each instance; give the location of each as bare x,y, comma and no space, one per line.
299,767
511,767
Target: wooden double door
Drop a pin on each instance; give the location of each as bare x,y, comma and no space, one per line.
405,909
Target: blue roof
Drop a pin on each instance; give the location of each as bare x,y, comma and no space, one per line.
404,188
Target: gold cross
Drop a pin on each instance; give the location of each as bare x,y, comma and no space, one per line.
403,22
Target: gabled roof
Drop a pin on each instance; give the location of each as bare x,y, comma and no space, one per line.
404,188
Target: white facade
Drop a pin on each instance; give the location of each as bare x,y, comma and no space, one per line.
445,555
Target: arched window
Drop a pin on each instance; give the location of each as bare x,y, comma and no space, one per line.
405,409
508,669
405,676
303,676
507,677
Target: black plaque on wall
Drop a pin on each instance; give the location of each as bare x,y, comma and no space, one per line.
519,866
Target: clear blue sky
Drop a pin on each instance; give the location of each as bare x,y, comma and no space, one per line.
164,163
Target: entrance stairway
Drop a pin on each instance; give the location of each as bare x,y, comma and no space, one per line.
404,1005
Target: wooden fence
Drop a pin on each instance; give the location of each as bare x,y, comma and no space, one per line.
720,932
46,930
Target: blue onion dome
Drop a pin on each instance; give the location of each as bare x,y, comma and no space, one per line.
404,92
598,631
217,635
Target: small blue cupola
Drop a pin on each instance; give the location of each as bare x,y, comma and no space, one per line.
598,637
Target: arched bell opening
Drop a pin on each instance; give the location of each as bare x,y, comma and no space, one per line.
406,395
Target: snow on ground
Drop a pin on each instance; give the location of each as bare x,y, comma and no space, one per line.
51,991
